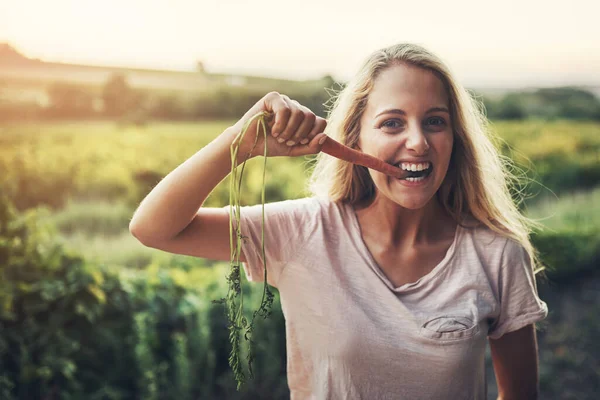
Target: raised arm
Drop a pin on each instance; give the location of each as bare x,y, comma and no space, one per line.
172,218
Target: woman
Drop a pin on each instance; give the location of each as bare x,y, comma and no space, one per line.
389,287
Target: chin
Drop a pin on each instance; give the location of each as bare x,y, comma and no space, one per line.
410,201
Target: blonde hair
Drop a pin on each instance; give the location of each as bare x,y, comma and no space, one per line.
477,184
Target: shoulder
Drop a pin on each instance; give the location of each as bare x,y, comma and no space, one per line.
317,213
310,205
515,254
302,204
296,211
485,245
288,213
482,236
314,205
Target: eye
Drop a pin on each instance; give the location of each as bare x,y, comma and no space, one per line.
387,124
440,120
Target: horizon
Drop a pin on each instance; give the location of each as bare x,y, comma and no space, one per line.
595,87
533,52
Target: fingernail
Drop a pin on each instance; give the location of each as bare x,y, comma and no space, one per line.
304,141
322,140
290,143
275,134
281,140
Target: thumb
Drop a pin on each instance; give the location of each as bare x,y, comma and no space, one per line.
312,147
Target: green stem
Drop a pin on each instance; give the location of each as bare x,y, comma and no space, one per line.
236,320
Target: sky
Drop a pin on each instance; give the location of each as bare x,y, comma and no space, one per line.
486,44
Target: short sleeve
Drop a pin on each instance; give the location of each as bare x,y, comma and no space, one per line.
287,226
517,289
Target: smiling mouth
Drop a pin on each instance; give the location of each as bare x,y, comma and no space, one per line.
417,174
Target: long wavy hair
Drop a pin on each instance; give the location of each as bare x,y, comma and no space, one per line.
479,178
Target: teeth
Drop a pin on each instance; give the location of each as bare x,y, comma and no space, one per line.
414,167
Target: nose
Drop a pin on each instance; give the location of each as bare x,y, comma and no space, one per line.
416,141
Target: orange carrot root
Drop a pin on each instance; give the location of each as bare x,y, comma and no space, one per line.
338,150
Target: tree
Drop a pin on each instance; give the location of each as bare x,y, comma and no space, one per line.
69,100
118,96
200,67
571,102
511,107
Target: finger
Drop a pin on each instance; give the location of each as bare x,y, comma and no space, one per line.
318,127
296,118
313,147
275,103
306,126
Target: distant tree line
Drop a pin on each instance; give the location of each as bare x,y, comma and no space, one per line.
118,100
545,103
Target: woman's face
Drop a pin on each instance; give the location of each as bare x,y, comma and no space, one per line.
407,119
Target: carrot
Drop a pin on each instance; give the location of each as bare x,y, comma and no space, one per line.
338,150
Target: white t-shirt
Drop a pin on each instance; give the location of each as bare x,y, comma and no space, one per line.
350,334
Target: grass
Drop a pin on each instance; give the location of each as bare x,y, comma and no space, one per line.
125,251
100,231
579,210
92,218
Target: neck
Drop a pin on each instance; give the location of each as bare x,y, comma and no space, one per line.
401,227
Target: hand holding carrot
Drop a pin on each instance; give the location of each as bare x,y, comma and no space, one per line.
292,129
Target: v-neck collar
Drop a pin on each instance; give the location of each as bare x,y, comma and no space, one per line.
355,232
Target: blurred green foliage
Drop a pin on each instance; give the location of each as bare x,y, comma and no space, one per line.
71,329
101,161
545,103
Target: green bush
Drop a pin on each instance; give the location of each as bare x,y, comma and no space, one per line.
545,103
70,101
92,218
570,241
568,253
28,188
74,330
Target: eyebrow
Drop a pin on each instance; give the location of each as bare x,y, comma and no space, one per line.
402,112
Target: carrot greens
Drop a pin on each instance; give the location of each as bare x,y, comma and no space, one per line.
236,320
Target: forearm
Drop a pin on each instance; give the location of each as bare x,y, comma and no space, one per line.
174,201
